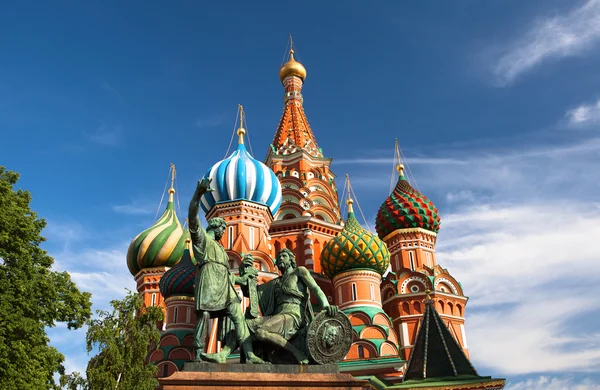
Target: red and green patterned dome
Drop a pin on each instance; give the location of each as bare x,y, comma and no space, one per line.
161,245
179,280
406,208
354,248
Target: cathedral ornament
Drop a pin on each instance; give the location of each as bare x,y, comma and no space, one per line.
329,339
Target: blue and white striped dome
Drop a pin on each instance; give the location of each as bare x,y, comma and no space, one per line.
241,177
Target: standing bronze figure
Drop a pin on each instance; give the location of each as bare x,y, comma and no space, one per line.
214,291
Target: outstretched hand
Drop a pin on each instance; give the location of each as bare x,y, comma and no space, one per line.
204,186
332,311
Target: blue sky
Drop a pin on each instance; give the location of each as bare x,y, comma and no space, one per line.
496,106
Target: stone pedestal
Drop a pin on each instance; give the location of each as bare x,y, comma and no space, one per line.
259,376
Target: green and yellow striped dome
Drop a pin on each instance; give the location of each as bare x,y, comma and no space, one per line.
161,245
354,248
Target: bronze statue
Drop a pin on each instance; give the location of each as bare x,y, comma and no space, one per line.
285,305
287,331
214,292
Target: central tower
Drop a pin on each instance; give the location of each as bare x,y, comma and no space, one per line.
310,213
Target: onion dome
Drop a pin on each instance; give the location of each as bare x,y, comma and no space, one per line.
241,177
406,208
292,68
179,280
162,244
354,248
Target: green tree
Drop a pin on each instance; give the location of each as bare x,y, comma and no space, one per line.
122,338
32,296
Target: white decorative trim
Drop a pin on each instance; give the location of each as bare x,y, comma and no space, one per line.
448,281
411,279
359,302
354,275
405,337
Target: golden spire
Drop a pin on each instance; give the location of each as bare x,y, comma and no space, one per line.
349,201
241,131
427,296
292,67
172,189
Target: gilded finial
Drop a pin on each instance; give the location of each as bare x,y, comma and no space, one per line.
349,202
241,131
172,189
292,67
400,169
427,296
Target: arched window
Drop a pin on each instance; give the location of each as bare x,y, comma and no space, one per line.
372,292
429,263
361,352
411,258
339,291
405,309
354,291
397,259
417,307
175,313
153,303
188,315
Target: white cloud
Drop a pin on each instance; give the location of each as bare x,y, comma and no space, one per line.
552,383
518,231
134,208
102,272
554,37
460,196
584,115
109,136
527,270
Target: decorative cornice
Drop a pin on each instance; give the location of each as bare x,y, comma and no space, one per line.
301,223
152,270
241,204
409,230
356,273
494,384
179,298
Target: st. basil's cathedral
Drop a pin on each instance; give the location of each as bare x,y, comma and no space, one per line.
406,310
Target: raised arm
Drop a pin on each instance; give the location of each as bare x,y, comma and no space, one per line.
196,230
309,281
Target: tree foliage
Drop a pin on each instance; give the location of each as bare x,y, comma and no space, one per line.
122,338
32,296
